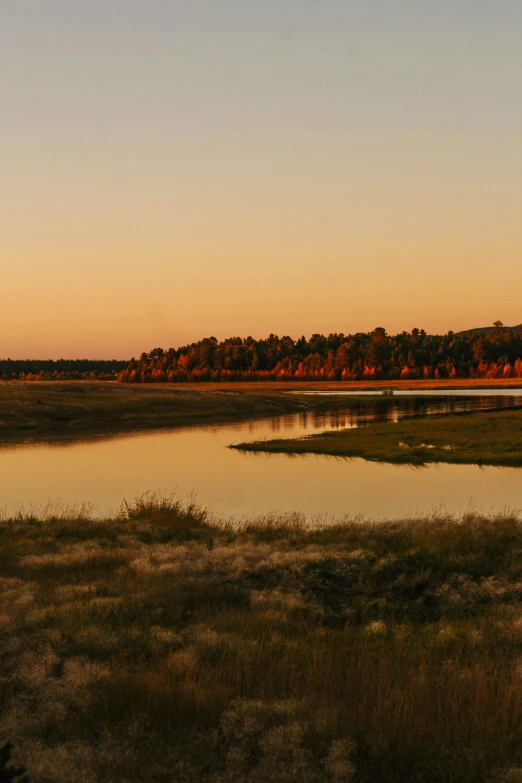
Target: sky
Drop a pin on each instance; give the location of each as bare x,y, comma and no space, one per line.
174,169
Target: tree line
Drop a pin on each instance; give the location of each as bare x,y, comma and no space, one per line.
493,353
60,369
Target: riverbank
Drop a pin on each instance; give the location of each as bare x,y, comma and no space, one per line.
465,438
162,645
41,410
403,385
44,410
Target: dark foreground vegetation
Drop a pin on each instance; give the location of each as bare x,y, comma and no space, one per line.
466,438
163,646
47,410
60,369
494,353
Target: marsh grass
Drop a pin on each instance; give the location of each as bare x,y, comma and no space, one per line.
165,645
58,410
477,438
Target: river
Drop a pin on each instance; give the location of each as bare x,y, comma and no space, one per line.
194,462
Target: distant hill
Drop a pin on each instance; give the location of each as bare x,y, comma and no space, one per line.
485,330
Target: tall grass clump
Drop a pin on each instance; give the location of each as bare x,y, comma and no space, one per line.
165,645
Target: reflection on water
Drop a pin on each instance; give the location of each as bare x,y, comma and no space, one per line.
384,409
480,392
197,461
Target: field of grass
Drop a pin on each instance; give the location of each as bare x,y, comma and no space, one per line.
477,438
404,384
45,410
61,409
164,646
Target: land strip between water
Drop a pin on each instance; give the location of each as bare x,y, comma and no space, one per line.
62,409
465,438
44,410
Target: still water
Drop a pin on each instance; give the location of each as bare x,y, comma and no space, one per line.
488,393
195,462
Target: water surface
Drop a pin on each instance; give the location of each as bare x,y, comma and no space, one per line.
508,392
196,462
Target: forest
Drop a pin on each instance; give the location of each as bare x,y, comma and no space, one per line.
493,353
61,369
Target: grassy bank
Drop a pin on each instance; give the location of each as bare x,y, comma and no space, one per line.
163,646
478,438
44,410
41,410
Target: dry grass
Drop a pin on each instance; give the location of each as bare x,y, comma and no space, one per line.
429,383
55,409
164,646
61,409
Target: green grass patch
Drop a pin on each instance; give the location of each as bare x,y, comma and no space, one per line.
471,438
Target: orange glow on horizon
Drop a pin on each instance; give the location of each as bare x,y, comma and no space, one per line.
235,181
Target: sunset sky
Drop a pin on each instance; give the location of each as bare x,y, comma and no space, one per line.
172,169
